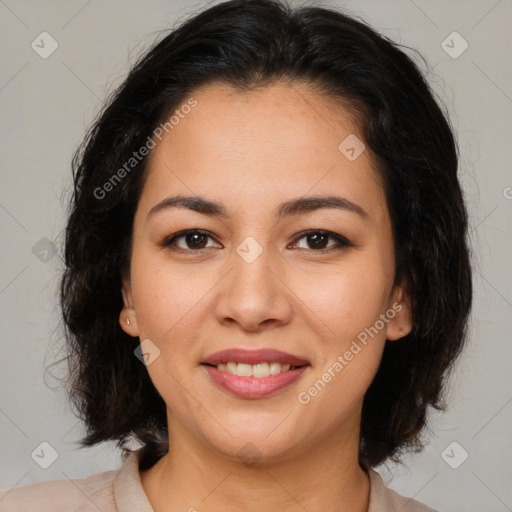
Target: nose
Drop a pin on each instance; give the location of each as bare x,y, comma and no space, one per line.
254,294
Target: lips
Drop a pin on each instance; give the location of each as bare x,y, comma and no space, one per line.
250,386
254,387
266,355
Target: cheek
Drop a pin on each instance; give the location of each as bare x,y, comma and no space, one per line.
168,304
336,391
349,353
166,294
347,299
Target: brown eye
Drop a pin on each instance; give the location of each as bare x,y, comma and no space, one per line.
191,240
194,240
317,240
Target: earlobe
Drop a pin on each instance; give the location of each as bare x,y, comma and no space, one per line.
127,316
401,320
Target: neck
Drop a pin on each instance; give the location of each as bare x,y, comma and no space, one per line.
195,476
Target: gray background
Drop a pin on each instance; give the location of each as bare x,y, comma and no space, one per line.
46,106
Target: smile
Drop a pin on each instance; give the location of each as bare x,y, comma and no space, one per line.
251,386
259,370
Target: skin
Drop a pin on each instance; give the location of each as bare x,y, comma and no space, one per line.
253,151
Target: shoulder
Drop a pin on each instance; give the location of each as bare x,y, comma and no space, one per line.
384,499
79,495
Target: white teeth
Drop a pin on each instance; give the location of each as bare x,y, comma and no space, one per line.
244,370
253,370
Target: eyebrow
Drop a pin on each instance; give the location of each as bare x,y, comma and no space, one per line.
297,206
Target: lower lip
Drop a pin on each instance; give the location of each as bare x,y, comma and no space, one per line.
253,387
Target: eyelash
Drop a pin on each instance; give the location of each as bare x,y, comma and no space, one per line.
340,240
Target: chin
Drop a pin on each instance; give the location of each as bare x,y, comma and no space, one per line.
267,445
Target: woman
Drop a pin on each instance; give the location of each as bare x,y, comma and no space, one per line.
267,269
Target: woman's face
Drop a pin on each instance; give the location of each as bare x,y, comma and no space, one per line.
253,279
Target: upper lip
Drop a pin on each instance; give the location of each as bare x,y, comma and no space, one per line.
263,355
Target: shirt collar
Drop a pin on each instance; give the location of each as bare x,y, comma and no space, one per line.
128,491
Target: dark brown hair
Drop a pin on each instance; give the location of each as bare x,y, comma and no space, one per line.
247,44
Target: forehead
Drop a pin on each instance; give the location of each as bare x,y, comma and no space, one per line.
280,116
274,142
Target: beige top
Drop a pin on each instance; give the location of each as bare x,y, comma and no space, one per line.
121,491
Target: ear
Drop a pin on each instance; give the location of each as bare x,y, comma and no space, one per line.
128,312
401,323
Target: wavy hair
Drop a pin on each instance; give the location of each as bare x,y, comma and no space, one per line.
248,44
